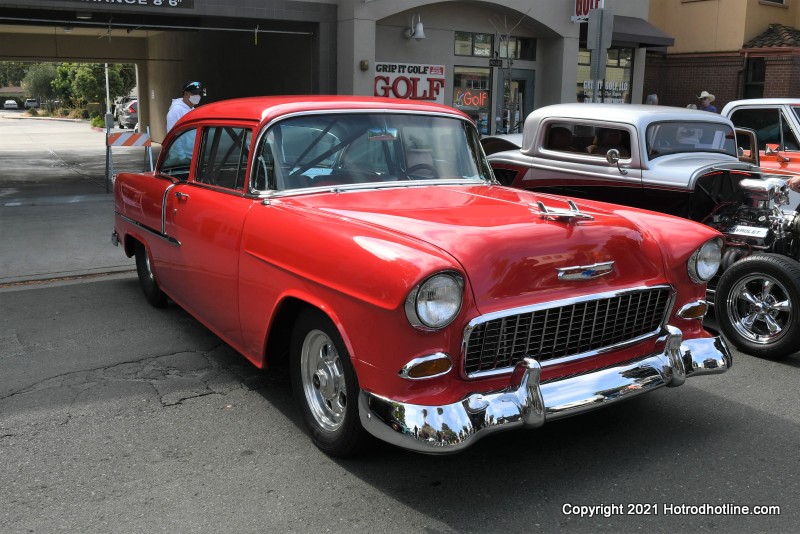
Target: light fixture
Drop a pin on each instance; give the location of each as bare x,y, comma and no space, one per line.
415,31
67,29
83,15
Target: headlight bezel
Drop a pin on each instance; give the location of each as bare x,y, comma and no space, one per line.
709,249
412,304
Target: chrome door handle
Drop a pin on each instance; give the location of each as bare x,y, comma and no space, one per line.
181,196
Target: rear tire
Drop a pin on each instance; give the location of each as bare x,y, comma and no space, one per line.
147,281
325,386
757,305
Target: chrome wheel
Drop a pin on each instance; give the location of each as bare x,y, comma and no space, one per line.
760,308
147,280
323,379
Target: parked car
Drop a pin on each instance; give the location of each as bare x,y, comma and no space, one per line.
685,163
776,122
31,103
128,114
10,104
365,241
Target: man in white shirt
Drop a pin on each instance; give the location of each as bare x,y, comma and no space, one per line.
192,92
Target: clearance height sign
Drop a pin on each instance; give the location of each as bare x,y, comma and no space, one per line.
410,81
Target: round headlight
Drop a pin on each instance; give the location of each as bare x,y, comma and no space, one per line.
704,263
436,301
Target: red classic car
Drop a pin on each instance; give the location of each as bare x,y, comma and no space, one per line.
366,242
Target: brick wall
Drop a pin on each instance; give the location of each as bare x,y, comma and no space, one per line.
678,79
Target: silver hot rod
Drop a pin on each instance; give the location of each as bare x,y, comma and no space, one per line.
687,163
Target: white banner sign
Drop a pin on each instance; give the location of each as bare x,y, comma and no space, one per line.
410,81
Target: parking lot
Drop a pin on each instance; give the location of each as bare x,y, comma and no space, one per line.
118,417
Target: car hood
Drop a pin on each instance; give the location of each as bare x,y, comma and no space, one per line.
696,164
500,239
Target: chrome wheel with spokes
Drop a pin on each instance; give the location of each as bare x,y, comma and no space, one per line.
757,303
325,385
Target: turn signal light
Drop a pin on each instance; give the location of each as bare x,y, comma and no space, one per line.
427,367
694,310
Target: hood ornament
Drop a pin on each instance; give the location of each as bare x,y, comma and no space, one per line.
585,272
553,214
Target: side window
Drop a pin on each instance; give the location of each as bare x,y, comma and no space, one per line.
766,123
223,157
559,137
178,156
607,138
789,138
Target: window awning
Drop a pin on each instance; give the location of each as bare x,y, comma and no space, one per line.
639,31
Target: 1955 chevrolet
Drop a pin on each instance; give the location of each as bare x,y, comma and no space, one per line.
366,242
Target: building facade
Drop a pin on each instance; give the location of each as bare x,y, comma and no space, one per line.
731,48
496,61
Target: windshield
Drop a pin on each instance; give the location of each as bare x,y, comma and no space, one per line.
681,137
361,148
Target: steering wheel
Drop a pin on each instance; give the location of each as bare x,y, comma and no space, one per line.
418,167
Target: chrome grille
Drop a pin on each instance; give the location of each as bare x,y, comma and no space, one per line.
579,327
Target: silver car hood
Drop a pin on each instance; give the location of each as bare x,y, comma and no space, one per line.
683,170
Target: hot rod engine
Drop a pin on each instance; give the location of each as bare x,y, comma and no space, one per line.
757,296
758,224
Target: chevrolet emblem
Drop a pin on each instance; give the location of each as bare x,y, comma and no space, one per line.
585,272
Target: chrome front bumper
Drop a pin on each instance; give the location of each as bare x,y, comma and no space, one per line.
528,403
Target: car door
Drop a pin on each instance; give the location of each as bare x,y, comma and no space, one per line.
204,216
777,130
570,158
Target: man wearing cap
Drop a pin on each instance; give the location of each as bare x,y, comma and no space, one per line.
706,100
192,92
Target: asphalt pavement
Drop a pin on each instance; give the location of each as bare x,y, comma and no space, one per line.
56,205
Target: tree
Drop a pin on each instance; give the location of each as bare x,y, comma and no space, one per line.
62,83
11,73
38,81
86,82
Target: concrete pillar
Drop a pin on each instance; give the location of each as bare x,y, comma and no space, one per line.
356,43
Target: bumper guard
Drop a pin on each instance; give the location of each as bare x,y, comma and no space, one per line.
528,403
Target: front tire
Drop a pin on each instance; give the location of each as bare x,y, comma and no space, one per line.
147,281
325,386
758,305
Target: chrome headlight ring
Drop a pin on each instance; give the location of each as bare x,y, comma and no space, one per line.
705,261
436,301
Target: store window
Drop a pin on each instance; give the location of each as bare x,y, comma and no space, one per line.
617,83
755,76
518,48
472,94
474,44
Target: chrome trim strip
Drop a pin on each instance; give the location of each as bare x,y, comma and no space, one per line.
557,304
343,188
416,361
164,209
168,239
528,403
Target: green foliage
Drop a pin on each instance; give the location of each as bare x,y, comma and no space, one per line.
62,83
32,112
38,81
81,83
11,73
98,122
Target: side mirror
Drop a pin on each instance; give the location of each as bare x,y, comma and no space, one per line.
747,146
612,156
